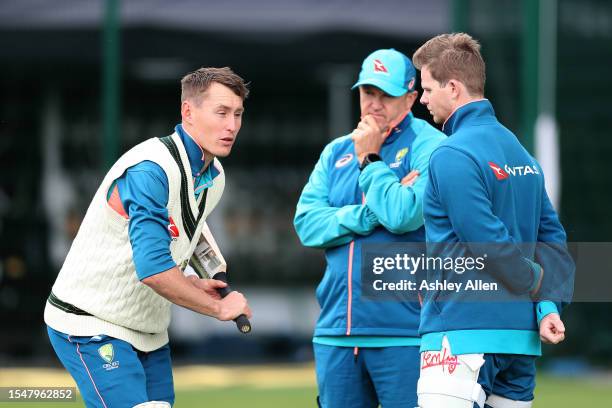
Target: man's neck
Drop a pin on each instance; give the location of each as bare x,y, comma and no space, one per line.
206,156
461,103
465,100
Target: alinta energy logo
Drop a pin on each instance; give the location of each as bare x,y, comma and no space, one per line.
107,353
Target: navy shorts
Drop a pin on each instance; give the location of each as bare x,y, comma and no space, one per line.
111,373
510,376
387,376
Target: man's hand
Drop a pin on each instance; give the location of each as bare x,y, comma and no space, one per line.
552,329
209,286
197,295
410,178
368,137
232,306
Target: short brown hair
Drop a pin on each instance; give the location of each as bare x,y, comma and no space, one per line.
194,84
453,56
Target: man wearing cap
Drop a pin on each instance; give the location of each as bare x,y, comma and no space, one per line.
367,187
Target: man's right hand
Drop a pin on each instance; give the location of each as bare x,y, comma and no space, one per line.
552,329
232,306
367,138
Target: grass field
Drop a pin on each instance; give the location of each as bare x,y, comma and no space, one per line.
289,386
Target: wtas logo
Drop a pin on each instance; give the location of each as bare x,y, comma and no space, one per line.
514,171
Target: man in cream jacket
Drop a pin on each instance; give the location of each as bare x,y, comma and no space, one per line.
109,309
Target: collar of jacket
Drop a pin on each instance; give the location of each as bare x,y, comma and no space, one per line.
399,128
471,113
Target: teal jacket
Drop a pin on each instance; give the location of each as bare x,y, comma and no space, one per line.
487,192
342,208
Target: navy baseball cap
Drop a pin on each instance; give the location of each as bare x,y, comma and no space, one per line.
389,70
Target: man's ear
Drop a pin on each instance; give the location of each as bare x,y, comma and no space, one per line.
186,111
456,88
411,98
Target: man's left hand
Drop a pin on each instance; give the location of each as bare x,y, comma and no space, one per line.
410,178
209,286
368,137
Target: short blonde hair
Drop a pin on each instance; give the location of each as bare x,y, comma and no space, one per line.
194,84
453,56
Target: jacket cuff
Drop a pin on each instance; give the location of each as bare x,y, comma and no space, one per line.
367,174
545,308
537,273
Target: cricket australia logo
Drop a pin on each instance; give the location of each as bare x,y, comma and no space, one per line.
398,157
107,353
400,154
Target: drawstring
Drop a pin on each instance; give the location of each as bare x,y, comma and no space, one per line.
356,352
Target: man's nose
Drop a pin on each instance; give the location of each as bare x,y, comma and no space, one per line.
377,103
231,124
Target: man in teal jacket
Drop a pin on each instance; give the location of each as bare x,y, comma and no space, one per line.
485,196
368,187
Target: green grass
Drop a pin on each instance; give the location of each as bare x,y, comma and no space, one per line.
554,392
248,397
551,392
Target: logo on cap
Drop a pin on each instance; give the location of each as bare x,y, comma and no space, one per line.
411,84
380,67
498,171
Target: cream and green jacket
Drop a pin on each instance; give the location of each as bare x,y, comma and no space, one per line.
97,290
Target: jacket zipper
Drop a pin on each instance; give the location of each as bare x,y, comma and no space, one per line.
350,289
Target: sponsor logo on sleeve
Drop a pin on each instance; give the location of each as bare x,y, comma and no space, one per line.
173,229
344,160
